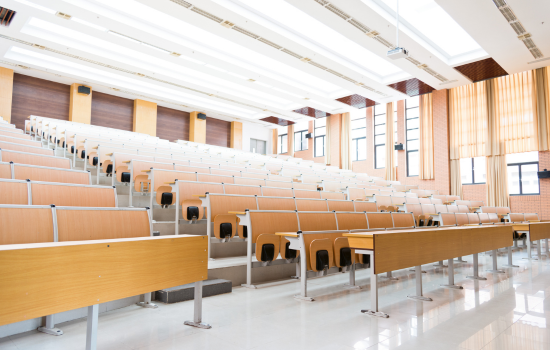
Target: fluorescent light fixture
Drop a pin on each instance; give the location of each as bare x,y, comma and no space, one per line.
237,75
124,37
263,84
216,68
143,62
299,26
156,48
112,79
86,23
430,21
193,60
40,7
287,92
181,32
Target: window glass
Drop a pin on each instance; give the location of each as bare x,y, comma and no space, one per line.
480,170
319,146
380,154
529,179
522,173
513,179
413,163
466,175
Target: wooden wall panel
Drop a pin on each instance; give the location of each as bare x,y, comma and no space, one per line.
236,135
172,124
112,111
80,105
218,132
34,96
145,117
6,93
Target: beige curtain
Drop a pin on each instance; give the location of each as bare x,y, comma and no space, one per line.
327,142
543,106
456,181
497,181
390,154
426,150
468,120
512,122
345,148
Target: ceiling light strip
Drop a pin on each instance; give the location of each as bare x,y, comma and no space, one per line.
257,37
371,33
129,72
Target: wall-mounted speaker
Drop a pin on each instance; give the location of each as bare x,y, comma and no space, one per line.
308,136
201,116
399,147
543,174
84,90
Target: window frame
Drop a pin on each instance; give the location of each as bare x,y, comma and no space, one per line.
407,136
302,137
280,144
355,141
473,174
374,139
315,137
520,182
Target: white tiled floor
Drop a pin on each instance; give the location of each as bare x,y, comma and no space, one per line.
508,311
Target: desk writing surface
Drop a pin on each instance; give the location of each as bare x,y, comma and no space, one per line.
398,249
48,278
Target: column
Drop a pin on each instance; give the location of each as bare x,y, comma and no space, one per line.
80,108
236,135
145,117
6,92
197,128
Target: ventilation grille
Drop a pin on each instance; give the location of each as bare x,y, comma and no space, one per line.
254,36
6,16
516,25
371,33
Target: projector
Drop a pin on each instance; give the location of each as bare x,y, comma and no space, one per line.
398,53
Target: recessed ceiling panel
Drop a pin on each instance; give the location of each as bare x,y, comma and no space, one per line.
412,87
357,101
481,70
278,121
312,112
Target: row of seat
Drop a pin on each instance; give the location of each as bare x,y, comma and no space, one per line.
29,192
41,173
20,157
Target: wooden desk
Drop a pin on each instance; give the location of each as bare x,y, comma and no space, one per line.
400,249
94,272
536,231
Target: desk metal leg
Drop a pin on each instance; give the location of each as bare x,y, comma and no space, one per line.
414,269
50,327
539,248
546,251
351,284
495,267
529,246
390,276
510,262
440,264
373,311
303,273
476,269
451,273
147,302
197,317
459,259
91,330
419,296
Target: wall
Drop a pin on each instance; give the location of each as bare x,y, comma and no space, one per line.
335,146
258,132
172,124
33,96
112,111
218,132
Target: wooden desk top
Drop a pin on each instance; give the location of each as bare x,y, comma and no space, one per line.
287,234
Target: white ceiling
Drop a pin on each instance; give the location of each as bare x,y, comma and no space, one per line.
286,54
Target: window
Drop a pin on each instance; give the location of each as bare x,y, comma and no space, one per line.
395,131
412,113
283,143
300,141
380,136
473,171
257,146
522,173
320,132
358,135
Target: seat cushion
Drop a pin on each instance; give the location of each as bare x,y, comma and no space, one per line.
290,253
226,230
125,177
345,256
192,212
322,260
166,198
268,252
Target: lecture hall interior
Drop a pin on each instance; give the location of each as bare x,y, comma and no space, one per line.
274,174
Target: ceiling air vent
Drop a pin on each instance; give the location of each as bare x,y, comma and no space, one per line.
294,54
175,54
227,24
39,46
6,15
182,3
245,32
207,14
516,25
63,15
305,59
